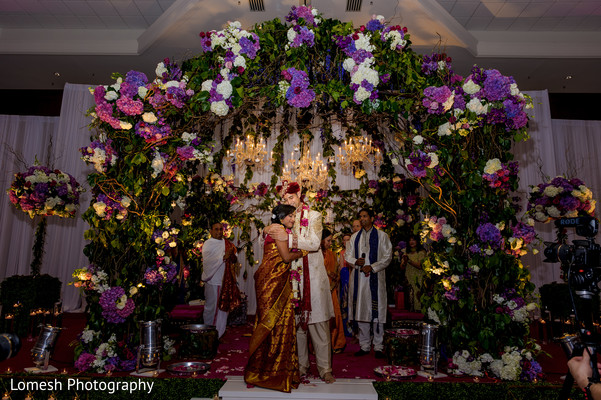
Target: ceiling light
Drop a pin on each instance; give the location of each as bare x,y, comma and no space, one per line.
568,76
57,74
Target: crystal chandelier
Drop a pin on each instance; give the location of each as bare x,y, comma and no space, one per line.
357,151
311,173
251,152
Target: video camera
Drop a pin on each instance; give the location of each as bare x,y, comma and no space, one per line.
580,261
581,266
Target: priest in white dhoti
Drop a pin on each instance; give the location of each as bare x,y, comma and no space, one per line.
218,257
312,287
369,253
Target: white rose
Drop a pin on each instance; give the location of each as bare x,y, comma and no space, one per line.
100,209
418,139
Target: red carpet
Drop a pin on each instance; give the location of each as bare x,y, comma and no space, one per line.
232,356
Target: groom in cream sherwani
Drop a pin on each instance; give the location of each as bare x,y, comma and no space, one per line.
306,235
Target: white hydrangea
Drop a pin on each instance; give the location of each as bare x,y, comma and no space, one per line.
110,95
291,35
552,191
476,106
364,42
225,89
206,85
157,164
240,61
142,91
471,87
553,212
88,335
361,94
418,139
540,216
51,202
160,69
444,129
367,73
493,165
188,137
220,108
348,64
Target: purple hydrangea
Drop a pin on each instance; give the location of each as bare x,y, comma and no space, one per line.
84,361
489,234
109,300
298,94
374,25
436,99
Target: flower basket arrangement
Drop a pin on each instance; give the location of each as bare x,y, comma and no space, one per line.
43,192
560,197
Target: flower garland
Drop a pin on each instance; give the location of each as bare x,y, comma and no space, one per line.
560,198
45,192
296,270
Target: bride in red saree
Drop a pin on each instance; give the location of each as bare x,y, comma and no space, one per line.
273,358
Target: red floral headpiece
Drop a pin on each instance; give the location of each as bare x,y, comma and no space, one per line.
287,187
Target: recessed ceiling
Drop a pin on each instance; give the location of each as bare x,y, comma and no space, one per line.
84,41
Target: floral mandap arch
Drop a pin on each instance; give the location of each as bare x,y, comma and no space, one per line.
445,141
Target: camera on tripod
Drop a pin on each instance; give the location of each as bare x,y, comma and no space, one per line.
580,261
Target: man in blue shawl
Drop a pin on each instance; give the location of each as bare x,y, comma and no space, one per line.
369,253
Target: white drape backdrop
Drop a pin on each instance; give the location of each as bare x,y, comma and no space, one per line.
556,147
56,142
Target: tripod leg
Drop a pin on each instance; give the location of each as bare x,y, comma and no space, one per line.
566,389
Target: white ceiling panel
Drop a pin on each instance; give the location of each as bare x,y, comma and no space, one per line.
531,38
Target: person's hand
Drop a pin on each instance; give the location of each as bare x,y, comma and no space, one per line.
580,368
360,262
366,269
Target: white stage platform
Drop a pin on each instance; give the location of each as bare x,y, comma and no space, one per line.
344,389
